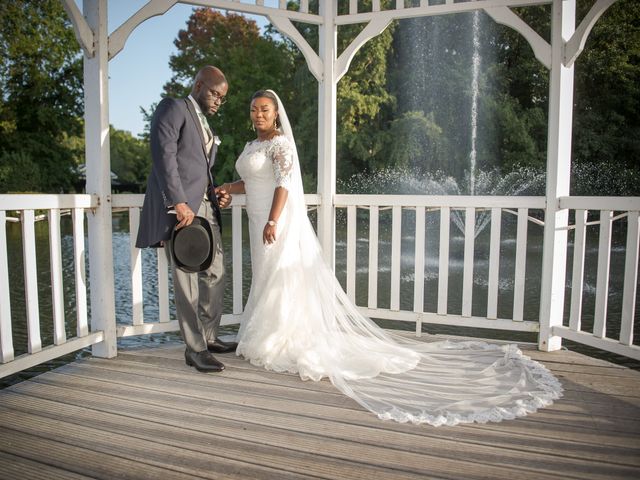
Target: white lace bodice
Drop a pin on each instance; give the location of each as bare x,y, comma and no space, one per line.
265,165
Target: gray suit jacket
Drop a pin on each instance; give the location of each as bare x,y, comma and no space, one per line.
181,170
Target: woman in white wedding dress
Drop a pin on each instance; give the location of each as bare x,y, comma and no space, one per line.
299,320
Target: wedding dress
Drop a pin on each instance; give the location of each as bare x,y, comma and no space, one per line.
298,319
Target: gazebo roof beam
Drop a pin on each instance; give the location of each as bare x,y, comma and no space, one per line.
430,10
374,28
541,48
285,27
154,8
81,28
573,48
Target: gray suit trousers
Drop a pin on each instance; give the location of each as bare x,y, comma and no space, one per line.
198,296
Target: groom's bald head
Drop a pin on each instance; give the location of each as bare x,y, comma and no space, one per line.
209,89
210,75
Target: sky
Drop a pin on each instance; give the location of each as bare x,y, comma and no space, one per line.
138,72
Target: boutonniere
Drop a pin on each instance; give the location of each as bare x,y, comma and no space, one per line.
216,140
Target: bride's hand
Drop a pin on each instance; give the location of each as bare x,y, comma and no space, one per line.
269,233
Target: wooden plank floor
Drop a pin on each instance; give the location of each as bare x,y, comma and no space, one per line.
145,414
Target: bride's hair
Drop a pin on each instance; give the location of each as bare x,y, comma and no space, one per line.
270,96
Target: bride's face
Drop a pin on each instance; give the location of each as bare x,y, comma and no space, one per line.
263,114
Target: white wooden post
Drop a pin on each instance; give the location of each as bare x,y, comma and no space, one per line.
327,93
554,255
98,170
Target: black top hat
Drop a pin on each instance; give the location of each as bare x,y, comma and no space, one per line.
192,246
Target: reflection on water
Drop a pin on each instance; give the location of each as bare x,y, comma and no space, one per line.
407,279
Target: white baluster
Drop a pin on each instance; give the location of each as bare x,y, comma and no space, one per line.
82,327
469,249
602,283
521,265
373,257
351,252
6,338
396,256
137,313
630,279
236,229
577,277
494,264
31,281
57,298
443,268
418,285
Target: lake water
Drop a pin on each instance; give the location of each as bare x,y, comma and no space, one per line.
480,284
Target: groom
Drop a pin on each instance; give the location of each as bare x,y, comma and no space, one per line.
183,150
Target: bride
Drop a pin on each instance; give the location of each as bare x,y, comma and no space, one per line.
299,320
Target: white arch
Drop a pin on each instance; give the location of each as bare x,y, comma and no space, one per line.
81,28
373,29
573,48
314,62
505,16
154,8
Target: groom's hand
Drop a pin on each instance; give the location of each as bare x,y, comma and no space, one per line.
184,214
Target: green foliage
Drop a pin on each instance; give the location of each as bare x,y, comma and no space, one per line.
415,140
130,157
41,92
364,102
607,88
18,173
506,139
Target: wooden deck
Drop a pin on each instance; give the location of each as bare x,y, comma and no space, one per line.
145,414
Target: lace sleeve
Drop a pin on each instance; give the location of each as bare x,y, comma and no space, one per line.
281,154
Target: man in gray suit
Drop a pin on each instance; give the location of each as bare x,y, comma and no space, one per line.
183,150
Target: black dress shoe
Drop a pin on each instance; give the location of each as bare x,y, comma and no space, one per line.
218,346
202,361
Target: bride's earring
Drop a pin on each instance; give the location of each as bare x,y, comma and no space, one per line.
253,127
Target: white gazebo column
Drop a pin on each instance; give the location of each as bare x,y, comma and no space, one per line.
98,172
554,256
327,93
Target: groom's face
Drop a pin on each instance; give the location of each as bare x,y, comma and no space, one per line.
210,96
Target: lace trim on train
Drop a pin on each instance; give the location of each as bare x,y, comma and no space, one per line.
550,386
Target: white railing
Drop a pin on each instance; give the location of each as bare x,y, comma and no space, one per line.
439,214
27,210
132,204
387,239
449,209
614,218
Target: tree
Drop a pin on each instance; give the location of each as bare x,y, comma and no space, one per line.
41,92
364,103
607,89
130,157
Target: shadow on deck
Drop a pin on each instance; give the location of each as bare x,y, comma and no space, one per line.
145,414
